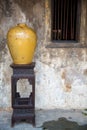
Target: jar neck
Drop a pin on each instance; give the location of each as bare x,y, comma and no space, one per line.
21,24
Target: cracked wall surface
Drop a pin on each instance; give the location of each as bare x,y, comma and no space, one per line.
61,73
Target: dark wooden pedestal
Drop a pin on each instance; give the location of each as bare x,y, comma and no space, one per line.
23,108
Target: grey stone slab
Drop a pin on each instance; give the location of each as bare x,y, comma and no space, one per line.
41,117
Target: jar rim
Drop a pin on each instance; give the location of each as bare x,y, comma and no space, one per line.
21,24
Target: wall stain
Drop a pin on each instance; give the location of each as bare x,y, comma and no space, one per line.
5,8
66,83
85,72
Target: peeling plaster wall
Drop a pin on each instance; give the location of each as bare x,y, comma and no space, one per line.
61,74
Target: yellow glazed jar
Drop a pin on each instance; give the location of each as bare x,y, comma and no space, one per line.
21,41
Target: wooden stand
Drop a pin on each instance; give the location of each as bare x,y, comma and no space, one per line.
23,108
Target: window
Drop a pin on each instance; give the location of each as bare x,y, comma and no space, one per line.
64,19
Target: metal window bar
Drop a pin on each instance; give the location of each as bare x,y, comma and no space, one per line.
64,19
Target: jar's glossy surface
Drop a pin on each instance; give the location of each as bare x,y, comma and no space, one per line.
21,42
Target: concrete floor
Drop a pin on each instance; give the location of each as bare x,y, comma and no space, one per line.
41,117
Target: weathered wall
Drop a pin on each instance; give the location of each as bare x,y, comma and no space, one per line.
61,74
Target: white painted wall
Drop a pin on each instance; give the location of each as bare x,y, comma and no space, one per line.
61,74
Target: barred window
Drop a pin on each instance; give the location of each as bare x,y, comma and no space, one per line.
64,19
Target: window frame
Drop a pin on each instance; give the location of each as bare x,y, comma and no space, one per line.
61,44
55,20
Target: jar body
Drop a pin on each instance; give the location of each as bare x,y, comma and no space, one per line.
21,41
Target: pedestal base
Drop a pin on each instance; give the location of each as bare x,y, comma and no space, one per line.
23,108
23,115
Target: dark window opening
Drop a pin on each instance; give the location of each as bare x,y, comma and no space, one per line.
64,19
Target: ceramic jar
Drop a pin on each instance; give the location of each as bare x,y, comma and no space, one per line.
21,41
